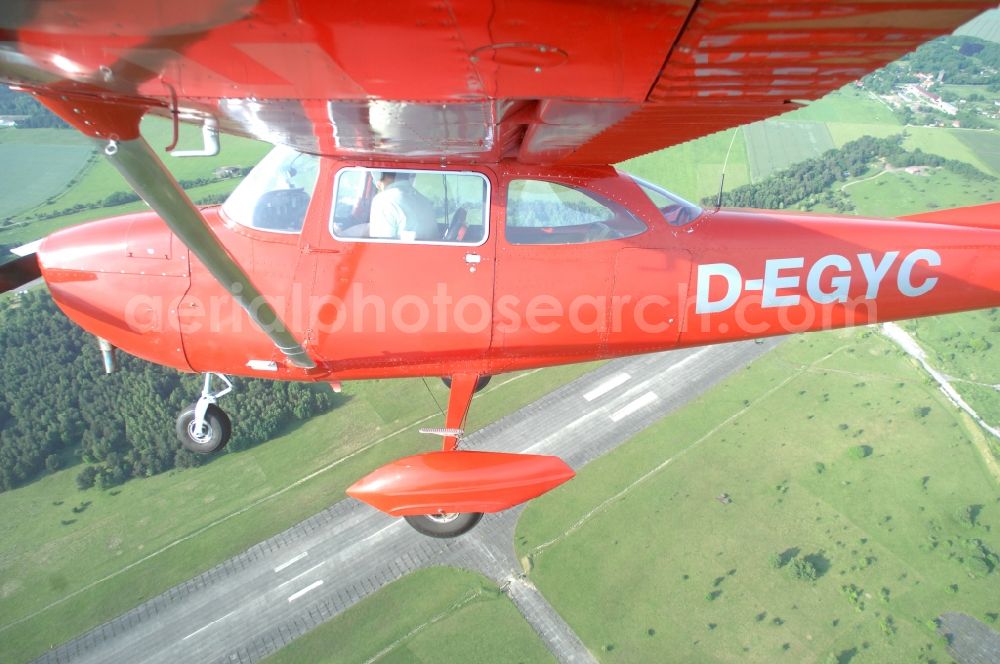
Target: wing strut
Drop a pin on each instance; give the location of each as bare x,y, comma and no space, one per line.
114,124
147,175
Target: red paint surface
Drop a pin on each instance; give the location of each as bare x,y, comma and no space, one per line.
459,481
130,281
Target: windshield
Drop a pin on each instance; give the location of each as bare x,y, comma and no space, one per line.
675,210
275,195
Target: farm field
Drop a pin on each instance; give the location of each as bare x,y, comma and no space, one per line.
836,452
65,554
99,179
848,104
774,145
985,26
985,146
845,132
441,615
950,144
36,172
694,169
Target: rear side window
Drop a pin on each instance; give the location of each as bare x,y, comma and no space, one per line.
542,212
410,206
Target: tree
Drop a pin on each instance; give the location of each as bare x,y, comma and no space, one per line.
86,478
54,397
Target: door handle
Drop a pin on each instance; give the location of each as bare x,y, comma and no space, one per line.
473,260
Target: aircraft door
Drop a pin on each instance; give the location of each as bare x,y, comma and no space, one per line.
404,271
556,270
649,295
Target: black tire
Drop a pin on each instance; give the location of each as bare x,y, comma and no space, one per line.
219,430
480,384
444,525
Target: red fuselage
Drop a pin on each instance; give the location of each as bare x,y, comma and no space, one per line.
387,309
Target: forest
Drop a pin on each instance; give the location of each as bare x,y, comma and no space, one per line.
36,115
814,177
58,409
958,60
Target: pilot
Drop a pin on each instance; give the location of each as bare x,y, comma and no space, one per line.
401,212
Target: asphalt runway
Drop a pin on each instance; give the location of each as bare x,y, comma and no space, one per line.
257,602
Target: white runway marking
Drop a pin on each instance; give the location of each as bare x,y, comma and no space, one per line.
291,562
299,576
311,586
207,626
640,403
608,385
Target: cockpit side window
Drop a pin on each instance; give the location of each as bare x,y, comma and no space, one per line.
543,212
275,195
675,210
410,206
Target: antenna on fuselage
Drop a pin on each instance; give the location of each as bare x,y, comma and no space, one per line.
722,180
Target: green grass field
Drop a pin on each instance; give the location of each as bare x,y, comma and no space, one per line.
845,132
438,615
985,146
99,179
64,571
102,179
951,144
679,576
694,169
985,26
848,104
36,172
38,229
964,347
898,193
774,145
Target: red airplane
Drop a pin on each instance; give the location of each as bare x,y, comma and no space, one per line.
440,201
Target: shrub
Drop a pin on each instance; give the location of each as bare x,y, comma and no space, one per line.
804,569
976,567
860,451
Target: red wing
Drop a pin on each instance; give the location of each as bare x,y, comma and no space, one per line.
538,80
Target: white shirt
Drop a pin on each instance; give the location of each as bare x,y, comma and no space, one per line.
399,211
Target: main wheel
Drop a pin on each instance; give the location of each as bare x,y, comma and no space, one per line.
444,525
480,384
212,437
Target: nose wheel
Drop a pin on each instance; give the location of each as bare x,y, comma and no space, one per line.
203,427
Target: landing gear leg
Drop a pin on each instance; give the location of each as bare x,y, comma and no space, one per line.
463,387
203,427
444,525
